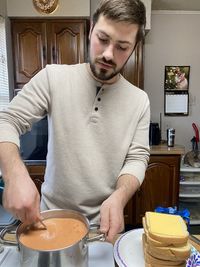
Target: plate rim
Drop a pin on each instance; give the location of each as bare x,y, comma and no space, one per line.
117,258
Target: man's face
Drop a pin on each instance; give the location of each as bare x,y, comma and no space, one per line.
111,44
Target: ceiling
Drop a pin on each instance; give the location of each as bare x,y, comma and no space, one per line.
190,5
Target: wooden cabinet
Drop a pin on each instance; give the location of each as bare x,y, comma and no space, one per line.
38,42
37,174
133,70
160,188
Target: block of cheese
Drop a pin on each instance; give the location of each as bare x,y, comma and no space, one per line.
166,228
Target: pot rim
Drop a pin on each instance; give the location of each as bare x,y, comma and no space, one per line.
50,214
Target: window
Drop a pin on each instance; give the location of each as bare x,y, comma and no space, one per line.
4,88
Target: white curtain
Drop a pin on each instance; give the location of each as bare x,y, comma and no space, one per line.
4,87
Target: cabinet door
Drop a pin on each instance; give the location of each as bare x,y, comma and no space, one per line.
67,41
160,186
29,49
133,70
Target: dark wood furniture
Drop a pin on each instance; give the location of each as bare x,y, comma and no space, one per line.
133,70
37,42
160,186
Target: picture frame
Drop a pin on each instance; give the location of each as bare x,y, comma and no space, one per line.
177,78
176,90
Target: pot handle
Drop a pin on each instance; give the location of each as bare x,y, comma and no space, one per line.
10,231
94,228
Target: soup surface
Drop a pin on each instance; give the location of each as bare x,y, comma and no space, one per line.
60,233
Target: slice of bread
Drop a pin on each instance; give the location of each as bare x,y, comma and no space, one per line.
153,260
157,243
167,253
166,228
157,265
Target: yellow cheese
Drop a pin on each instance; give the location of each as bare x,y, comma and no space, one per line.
162,226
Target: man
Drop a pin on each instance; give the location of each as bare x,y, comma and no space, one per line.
98,127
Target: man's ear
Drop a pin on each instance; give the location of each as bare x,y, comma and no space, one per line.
91,28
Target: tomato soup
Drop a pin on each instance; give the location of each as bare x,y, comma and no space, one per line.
60,233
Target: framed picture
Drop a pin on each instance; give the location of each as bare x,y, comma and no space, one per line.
177,78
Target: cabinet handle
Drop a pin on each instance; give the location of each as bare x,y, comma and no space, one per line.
44,53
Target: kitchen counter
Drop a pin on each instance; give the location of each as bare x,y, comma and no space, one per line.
194,244
163,149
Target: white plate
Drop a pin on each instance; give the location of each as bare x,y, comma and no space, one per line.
128,251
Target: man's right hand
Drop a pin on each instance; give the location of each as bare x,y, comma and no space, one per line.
20,197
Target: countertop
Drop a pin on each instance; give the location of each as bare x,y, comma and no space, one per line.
163,149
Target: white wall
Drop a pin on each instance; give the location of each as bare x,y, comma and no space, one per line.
3,8
71,8
174,39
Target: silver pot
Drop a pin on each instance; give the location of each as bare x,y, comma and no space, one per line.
75,255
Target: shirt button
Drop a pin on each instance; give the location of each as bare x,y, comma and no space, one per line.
96,109
99,99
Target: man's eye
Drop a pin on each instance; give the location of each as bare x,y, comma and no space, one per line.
102,40
122,48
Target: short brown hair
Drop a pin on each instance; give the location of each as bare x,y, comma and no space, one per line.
131,11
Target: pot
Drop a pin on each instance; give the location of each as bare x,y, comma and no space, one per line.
75,255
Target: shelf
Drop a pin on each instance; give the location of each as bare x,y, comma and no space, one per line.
189,195
189,182
189,169
194,222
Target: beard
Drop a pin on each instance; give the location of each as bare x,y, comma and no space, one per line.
104,74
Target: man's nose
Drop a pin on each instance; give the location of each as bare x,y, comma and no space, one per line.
108,53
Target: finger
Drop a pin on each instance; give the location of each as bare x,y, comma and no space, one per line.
33,214
104,219
113,231
20,215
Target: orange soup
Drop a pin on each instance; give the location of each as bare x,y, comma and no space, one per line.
60,233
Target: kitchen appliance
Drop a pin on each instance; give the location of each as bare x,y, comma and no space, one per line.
154,134
33,144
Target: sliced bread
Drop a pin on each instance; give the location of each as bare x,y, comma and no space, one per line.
166,228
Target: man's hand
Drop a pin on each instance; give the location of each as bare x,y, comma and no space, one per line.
112,218
111,211
21,198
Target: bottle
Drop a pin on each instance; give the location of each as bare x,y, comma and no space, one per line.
170,137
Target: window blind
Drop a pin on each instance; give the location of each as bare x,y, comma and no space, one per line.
4,88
